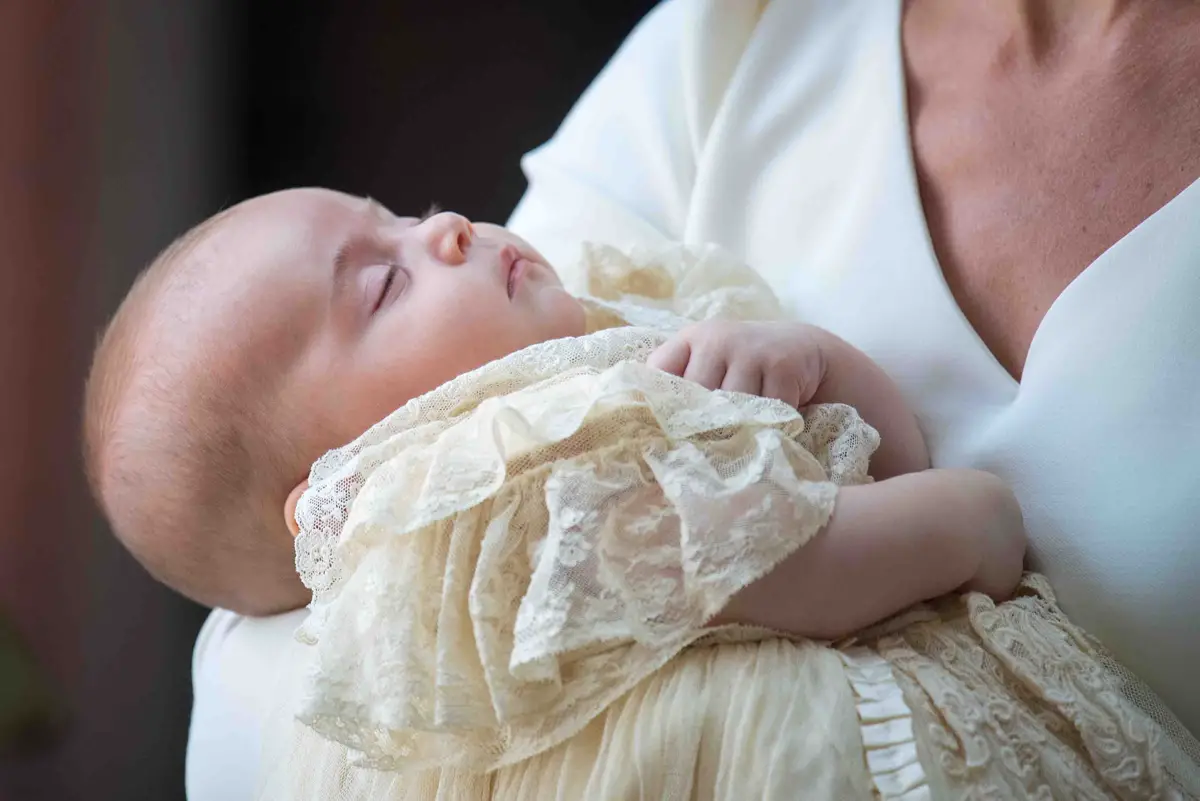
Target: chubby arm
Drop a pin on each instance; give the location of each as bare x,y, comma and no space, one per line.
800,365
850,377
887,546
913,535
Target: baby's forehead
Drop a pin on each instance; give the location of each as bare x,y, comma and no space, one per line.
279,222
249,280
267,243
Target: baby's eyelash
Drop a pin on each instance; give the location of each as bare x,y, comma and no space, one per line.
387,284
391,278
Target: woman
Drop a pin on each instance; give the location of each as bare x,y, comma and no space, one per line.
999,205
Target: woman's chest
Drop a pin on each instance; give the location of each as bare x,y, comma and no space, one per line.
1028,174
1077,239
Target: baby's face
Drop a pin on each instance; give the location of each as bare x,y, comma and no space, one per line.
357,310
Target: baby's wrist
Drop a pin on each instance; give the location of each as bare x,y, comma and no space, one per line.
834,357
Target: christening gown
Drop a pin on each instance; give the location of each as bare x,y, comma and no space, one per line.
512,574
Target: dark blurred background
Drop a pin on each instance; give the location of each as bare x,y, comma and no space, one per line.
123,123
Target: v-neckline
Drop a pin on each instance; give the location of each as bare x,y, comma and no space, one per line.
931,261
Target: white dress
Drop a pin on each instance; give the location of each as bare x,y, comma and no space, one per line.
778,130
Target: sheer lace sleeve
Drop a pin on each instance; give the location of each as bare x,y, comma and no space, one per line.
498,561
502,578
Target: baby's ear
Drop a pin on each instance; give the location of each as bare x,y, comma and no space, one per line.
289,507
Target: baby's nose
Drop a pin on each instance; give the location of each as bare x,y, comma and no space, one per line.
448,236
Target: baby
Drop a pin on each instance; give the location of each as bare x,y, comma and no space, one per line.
289,325
276,330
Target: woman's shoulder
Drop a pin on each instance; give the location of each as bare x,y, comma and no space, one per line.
630,159
620,167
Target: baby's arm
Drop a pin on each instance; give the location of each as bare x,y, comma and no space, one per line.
889,545
800,365
850,377
913,535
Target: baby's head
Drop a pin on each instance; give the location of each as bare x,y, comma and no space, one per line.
272,332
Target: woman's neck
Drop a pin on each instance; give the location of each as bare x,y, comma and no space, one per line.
1039,31
1049,25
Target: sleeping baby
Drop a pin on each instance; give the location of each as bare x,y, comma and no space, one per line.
549,503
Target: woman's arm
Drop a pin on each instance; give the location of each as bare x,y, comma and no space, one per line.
887,546
238,666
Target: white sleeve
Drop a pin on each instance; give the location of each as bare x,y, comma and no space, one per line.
237,664
621,167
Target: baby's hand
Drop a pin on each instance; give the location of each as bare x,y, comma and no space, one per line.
990,508
784,361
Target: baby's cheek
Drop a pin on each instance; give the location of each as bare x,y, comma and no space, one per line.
567,316
479,341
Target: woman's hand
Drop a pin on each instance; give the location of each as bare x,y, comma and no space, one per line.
784,361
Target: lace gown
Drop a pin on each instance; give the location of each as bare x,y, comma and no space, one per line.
511,577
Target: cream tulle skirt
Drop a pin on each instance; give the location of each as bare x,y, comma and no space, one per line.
965,699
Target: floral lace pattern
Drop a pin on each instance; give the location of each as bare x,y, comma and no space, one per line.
1011,701
660,291
509,576
498,561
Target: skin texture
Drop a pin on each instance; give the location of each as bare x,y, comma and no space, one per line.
889,545
799,365
913,535
284,327
387,307
1042,133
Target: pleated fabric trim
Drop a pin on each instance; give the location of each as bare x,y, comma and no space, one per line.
887,727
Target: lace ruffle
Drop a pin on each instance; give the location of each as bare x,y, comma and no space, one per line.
659,291
509,576
1012,702
498,561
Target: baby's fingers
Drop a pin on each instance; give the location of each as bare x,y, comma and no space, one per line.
781,385
671,357
743,376
706,368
